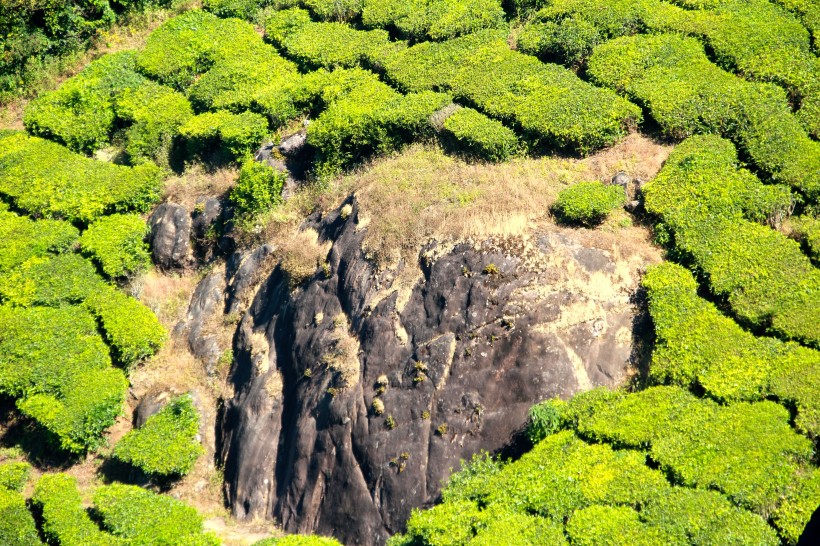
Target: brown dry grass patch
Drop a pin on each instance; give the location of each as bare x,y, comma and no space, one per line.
196,182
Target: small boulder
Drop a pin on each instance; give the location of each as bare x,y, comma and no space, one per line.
170,236
621,179
632,206
149,405
205,214
293,145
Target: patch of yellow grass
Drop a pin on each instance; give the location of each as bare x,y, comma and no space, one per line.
197,182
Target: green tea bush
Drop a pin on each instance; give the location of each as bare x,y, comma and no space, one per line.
237,134
257,190
117,243
548,103
137,516
241,9
697,345
298,540
130,328
17,526
470,482
13,476
51,281
432,19
166,445
769,282
807,230
80,113
613,525
65,521
47,180
544,419
792,516
686,94
22,239
475,135
587,203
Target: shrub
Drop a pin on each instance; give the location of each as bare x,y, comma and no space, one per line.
137,516
544,419
46,179
65,521
22,239
117,243
686,94
17,526
587,203
476,135
13,476
166,445
807,230
298,540
257,190
435,19
612,525
80,113
470,482
792,516
51,281
241,9
129,327
238,134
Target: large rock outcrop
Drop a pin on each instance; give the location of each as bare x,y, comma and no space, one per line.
455,362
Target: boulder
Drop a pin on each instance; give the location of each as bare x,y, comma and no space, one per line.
293,145
170,236
149,405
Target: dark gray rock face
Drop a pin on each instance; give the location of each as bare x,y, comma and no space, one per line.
293,145
484,334
149,405
170,236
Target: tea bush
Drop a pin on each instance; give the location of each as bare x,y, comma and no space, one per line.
797,508
686,94
51,281
432,19
166,445
238,134
22,238
768,281
475,135
65,520
48,180
117,243
13,476
17,526
587,203
615,525
130,328
548,103
137,516
298,540
697,345
807,230
257,190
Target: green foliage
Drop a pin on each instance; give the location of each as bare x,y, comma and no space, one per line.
549,104
475,135
13,476
587,203
686,94
807,230
137,516
238,134
46,179
796,510
166,445
241,9
22,239
117,243
77,400
544,419
470,482
17,526
130,328
703,199
51,281
298,540
257,190
432,19
65,521
613,526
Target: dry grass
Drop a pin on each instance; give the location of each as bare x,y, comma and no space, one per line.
302,254
167,295
196,182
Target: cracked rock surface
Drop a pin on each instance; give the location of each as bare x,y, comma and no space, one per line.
353,399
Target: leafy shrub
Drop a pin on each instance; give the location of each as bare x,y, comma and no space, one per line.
238,134
587,203
476,135
22,238
241,9
686,94
697,345
137,516
544,419
807,230
298,540
433,19
46,179
166,445
51,281
129,327
769,282
17,526
13,476
792,516
65,521
550,104
258,188
117,243
614,525
470,482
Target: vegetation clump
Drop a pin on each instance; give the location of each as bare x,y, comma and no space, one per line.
587,203
117,243
475,135
257,190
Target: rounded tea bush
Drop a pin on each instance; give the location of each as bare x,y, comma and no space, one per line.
587,203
